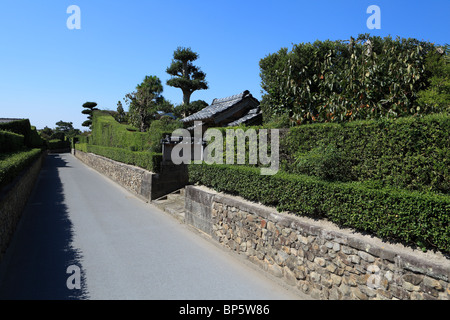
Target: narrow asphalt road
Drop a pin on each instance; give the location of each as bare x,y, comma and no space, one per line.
124,248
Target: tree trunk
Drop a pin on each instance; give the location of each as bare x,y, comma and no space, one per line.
186,97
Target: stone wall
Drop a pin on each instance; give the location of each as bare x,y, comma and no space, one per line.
317,257
13,199
145,184
134,179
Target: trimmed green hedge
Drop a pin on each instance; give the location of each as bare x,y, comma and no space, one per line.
81,147
146,160
12,164
58,144
106,131
23,127
10,141
411,153
399,215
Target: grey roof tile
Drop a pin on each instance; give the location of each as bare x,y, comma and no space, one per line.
6,120
249,116
217,106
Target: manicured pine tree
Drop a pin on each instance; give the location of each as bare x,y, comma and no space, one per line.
89,109
185,75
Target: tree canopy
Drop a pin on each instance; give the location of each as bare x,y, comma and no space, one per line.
145,102
185,75
89,107
185,110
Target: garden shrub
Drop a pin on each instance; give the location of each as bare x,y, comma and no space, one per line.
338,81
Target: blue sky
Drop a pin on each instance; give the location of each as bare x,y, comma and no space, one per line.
48,71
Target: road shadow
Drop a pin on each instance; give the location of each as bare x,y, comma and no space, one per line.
38,263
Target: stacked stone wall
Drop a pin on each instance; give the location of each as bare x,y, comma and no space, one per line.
317,257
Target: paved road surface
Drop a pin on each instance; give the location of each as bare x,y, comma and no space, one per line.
125,248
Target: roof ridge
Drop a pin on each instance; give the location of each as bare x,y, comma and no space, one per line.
230,98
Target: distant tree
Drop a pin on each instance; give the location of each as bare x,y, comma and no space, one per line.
46,133
185,110
89,108
67,129
185,75
145,102
121,115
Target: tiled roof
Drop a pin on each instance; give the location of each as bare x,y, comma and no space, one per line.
218,106
253,113
6,120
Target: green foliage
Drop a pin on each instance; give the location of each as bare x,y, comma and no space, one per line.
89,108
81,147
437,95
67,129
57,144
326,162
277,122
336,81
46,133
23,127
411,152
185,75
123,143
10,141
398,215
159,128
106,131
241,144
12,164
121,116
35,140
185,110
146,102
147,160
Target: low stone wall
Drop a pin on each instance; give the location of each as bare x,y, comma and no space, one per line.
134,179
13,199
317,257
147,185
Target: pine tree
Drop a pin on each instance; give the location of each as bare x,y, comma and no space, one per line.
185,75
145,102
89,108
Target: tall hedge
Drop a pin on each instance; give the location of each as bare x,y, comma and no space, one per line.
10,141
23,127
333,81
411,153
107,132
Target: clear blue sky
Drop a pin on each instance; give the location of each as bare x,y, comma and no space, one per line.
48,71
